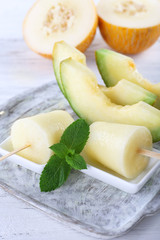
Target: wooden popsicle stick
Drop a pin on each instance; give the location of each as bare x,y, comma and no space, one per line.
149,153
142,151
13,152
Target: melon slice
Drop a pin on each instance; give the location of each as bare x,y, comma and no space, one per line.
49,21
124,93
89,102
129,26
128,93
61,51
107,61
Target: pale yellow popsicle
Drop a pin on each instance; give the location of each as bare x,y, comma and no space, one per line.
40,131
116,147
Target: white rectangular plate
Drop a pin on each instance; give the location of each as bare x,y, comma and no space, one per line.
94,170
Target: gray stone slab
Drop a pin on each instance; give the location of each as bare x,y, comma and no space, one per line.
83,203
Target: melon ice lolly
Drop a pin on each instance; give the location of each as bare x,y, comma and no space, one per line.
116,146
120,147
39,132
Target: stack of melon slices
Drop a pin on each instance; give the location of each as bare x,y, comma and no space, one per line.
115,67
79,85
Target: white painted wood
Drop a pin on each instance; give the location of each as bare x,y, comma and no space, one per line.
19,221
21,69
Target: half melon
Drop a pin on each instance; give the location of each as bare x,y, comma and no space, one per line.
129,26
49,21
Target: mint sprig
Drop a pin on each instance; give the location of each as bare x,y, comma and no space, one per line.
66,156
54,174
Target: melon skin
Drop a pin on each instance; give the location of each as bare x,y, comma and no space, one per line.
128,40
81,45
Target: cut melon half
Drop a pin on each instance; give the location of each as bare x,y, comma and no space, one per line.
49,21
129,26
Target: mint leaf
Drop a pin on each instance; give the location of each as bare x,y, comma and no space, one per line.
54,174
76,161
60,150
76,135
66,156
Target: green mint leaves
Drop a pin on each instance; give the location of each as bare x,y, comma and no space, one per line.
66,156
54,174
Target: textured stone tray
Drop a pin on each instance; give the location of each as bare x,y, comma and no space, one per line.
83,203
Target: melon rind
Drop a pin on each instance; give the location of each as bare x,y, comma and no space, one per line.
128,40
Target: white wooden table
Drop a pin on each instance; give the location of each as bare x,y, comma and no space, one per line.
21,69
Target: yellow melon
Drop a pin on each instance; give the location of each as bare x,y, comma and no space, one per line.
129,26
49,21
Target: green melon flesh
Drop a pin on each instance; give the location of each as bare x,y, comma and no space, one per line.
88,101
114,67
61,51
128,93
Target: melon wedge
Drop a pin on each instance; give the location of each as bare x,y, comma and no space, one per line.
61,51
88,101
49,21
129,26
128,93
108,60
124,93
